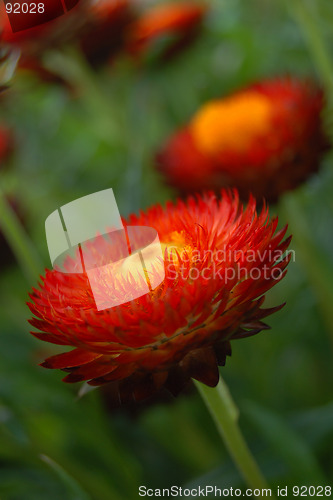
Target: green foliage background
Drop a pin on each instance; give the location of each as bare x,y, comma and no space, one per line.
54,445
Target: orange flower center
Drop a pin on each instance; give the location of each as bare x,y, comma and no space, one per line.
176,244
232,123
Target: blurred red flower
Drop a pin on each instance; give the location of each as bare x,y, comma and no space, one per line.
212,293
265,139
177,22
97,25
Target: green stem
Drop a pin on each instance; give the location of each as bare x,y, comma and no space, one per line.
316,263
309,25
19,241
225,415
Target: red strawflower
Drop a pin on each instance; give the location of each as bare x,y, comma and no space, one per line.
219,259
179,21
265,139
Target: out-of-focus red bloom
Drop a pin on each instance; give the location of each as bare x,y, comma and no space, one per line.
98,25
179,21
265,139
6,255
219,258
32,43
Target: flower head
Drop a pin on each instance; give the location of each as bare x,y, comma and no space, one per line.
178,22
219,258
265,139
6,143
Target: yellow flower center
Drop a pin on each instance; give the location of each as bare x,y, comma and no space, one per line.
231,123
176,244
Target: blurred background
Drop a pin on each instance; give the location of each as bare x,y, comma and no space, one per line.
77,127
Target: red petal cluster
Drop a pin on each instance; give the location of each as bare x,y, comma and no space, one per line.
183,328
276,160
